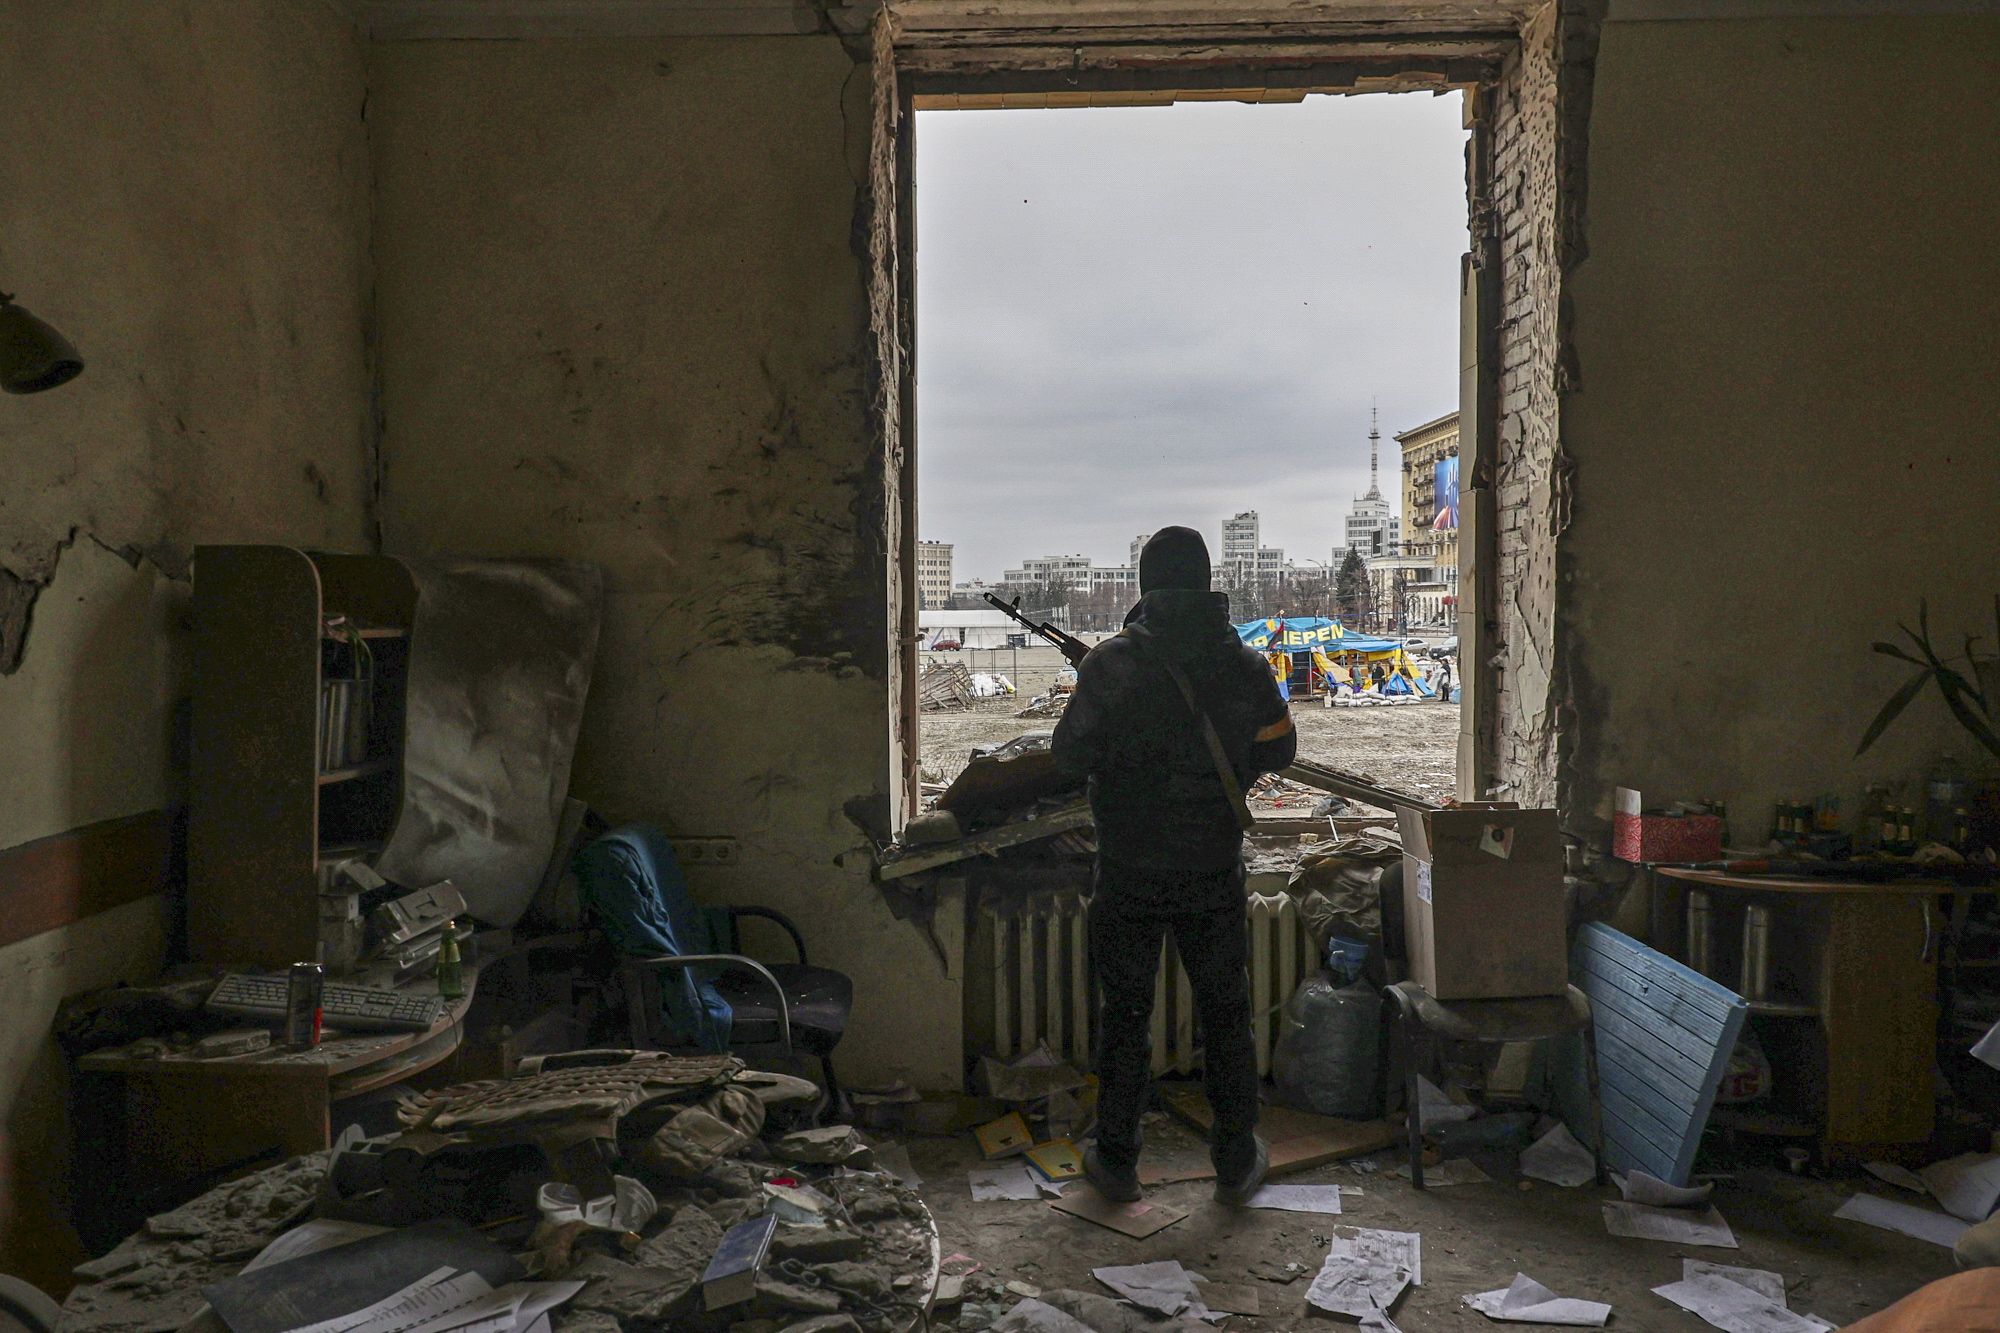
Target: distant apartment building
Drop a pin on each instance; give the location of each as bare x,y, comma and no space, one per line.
1430,503
933,574
1240,539
1138,545
1074,572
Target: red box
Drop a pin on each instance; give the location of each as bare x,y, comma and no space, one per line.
1637,836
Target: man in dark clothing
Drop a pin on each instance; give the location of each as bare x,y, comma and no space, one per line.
1170,848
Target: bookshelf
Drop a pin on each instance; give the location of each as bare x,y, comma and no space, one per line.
277,796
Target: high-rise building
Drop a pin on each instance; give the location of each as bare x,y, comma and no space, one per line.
1138,545
1430,503
1240,539
933,575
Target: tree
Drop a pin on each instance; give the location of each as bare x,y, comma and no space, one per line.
1351,593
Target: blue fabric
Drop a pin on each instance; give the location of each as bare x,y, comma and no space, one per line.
631,884
1296,633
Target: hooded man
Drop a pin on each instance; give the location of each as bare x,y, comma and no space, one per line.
1170,848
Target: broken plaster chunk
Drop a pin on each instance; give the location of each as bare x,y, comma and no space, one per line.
811,1245
121,1260
826,1323
627,1291
775,1291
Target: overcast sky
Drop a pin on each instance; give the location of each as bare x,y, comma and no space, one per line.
1130,317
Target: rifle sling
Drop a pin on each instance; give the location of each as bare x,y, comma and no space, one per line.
1223,770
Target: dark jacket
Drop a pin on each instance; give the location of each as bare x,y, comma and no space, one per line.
1154,792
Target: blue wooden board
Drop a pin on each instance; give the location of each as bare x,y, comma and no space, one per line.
1664,1036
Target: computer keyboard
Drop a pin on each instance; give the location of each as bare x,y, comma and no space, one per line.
348,1008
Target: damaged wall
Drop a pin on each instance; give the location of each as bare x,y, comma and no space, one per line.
1783,430
184,195
643,343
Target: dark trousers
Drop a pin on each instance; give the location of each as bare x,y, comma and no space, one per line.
1125,935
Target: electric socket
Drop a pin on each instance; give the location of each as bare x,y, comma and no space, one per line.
705,849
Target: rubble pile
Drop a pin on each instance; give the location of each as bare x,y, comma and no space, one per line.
620,1173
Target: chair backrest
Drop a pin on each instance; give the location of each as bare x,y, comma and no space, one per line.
632,887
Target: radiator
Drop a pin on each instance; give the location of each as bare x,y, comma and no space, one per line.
1031,982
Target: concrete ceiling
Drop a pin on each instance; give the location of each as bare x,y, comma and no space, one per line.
925,22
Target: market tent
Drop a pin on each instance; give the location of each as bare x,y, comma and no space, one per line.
1299,633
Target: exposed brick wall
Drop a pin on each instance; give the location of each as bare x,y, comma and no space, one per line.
1528,460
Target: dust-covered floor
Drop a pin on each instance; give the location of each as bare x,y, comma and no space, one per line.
1475,1238
1413,747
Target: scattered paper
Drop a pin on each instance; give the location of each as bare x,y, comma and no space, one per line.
1377,1321
1559,1159
895,1159
1033,1316
1451,1171
1529,1302
1987,1048
991,1183
1163,1287
1297,1198
310,1237
1656,1193
1968,1186
1436,1107
1676,1226
1397,1249
436,1292
1356,1287
1900,1176
1734,1307
1769,1285
1921,1223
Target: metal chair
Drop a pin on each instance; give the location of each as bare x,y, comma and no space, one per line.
775,1008
1423,1018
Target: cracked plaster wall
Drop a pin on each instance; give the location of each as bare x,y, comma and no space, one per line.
1783,430
183,194
644,343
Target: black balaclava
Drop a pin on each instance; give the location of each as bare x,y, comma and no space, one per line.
1174,558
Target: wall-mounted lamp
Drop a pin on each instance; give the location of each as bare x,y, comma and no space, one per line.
33,356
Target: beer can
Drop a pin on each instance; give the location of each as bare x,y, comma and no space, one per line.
305,991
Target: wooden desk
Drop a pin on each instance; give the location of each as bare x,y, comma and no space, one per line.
181,1121
1850,1022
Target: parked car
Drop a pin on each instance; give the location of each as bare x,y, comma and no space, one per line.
945,646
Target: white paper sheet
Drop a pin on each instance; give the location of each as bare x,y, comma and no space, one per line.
1297,1198
1769,1285
310,1237
1436,1106
1451,1171
1527,1301
1009,1180
1639,1187
1676,1226
1733,1307
1356,1287
1163,1287
1559,1159
1033,1316
1987,1048
1900,1176
1968,1185
895,1159
505,1309
1396,1249
1377,1320
1921,1223
434,1293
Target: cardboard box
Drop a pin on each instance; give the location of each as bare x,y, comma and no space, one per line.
1639,837
1485,914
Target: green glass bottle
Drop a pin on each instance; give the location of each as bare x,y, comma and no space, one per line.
450,968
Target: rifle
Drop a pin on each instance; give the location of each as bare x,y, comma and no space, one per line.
1073,648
